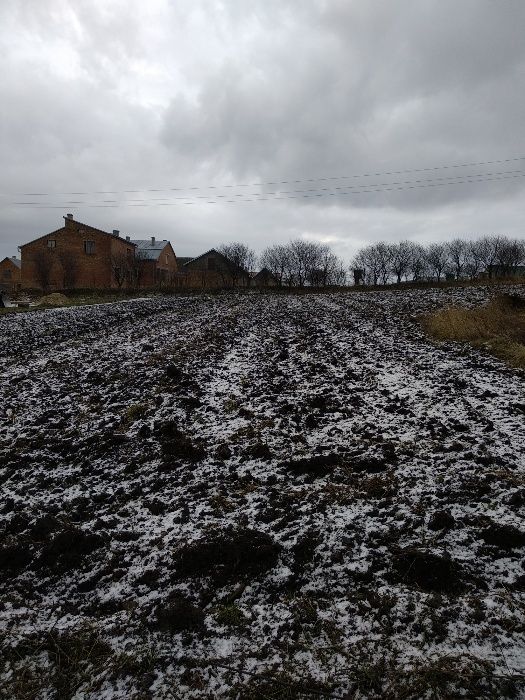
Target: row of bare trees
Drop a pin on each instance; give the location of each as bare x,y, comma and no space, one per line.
382,263
300,263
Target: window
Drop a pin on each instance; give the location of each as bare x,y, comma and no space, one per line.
89,247
211,264
167,259
51,244
7,274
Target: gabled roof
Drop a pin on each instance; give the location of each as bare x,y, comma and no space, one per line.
265,272
15,261
93,228
228,262
150,250
51,233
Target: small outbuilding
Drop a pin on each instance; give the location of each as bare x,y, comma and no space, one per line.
10,274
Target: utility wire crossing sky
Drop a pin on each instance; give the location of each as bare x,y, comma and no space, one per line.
263,103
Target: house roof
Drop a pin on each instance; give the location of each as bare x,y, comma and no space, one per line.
265,272
183,261
228,262
93,228
15,261
150,249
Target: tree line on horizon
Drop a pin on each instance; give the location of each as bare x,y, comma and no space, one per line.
298,263
301,263
383,263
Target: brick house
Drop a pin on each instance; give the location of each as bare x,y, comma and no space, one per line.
10,274
157,263
78,256
213,270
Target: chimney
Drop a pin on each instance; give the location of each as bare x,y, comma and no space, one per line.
116,232
128,238
14,257
70,216
153,240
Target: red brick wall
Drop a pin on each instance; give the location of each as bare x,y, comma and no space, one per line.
10,276
147,277
67,265
161,272
166,273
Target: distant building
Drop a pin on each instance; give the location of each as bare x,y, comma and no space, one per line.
359,276
214,270
78,256
10,274
265,278
158,262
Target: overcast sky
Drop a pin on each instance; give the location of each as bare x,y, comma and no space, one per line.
115,95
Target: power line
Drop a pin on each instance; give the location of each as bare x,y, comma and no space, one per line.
270,183
115,204
301,191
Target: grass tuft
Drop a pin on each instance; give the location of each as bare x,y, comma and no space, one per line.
499,327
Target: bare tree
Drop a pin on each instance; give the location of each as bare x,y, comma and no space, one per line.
242,259
137,267
418,262
304,258
367,259
327,269
473,262
384,257
338,276
510,254
275,259
43,262
437,258
69,264
488,249
401,256
120,268
458,254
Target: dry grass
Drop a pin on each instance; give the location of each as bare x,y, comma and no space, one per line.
499,326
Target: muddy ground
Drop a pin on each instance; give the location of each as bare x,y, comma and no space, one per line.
259,496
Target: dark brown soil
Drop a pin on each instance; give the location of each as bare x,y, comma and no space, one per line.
179,615
174,443
426,570
503,536
228,555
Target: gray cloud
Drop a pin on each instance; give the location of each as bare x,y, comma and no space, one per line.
114,95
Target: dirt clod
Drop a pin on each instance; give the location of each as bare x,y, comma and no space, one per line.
426,570
230,554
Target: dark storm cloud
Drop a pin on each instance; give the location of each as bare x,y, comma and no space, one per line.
121,95
355,87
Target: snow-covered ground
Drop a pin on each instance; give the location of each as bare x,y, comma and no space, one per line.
259,496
